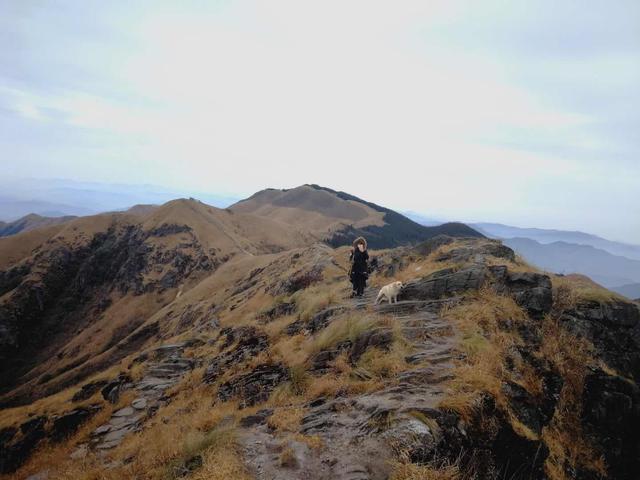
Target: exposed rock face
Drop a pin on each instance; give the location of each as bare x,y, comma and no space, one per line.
319,321
611,414
255,386
530,290
12,455
68,423
250,343
88,390
614,329
76,283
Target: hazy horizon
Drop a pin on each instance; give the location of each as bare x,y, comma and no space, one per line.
518,113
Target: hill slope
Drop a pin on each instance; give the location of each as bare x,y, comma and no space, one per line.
263,367
338,217
30,222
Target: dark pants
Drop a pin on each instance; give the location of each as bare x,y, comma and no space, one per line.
359,281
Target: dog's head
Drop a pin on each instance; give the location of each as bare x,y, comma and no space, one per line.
399,285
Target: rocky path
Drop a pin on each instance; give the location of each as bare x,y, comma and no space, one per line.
168,368
360,432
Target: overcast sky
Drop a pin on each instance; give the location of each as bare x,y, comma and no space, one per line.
525,113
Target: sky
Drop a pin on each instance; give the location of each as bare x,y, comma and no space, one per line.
519,112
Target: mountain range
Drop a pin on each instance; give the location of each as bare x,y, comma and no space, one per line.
186,341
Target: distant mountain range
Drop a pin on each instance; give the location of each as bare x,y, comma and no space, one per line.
614,265
545,236
60,197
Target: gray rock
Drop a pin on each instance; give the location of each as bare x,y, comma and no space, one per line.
139,403
124,412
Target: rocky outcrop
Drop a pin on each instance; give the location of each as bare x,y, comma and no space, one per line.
250,342
530,290
255,386
67,423
611,416
317,322
614,329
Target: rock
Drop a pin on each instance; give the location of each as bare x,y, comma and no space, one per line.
139,403
42,475
444,283
124,412
371,338
251,341
256,386
102,429
68,423
431,245
87,390
79,452
278,310
318,322
523,406
410,435
14,455
189,465
477,253
530,290
111,391
611,415
259,418
613,328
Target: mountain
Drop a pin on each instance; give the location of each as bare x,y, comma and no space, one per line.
58,197
187,341
497,230
561,257
29,222
338,217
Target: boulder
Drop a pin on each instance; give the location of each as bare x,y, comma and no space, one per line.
87,390
111,391
259,418
445,282
379,338
67,423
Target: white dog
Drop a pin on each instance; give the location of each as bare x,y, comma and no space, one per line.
390,292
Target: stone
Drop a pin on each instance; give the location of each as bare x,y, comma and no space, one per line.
102,429
256,386
123,412
611,417
67,423
259,418
250,341
139,403
79,452
379,338
87,390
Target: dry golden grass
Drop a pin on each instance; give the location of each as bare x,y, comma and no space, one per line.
581,288
286,419
314,442
564,436
346,327
485,344
404,470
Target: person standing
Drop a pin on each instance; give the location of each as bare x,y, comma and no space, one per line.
359,266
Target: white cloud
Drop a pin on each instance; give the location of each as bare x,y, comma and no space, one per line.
406,104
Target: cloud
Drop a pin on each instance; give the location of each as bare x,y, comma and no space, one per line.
487,111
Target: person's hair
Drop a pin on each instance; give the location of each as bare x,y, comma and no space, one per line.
358,241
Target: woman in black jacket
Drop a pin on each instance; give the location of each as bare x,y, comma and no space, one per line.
359,267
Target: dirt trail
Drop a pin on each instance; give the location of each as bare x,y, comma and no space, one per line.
359,431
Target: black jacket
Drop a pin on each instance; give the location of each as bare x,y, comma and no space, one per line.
359,260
